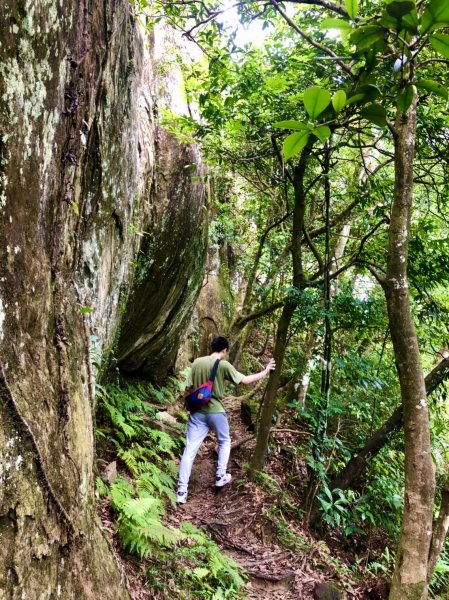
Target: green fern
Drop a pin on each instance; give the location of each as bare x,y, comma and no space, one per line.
154,480
141,529
121,491
101,487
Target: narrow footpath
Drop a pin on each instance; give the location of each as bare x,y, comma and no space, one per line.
240,520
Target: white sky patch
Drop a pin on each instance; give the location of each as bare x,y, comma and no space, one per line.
250,33
363,286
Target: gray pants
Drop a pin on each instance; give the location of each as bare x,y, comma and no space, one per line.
198,427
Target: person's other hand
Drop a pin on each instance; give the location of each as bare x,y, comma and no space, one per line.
270,366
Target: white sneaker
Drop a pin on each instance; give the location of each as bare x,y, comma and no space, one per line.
181,497
221,480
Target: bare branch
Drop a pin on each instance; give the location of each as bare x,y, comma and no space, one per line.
311,41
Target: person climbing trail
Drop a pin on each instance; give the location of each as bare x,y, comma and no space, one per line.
212,414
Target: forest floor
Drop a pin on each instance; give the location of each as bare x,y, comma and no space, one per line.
259,525
251,523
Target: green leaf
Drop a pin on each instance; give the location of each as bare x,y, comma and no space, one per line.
399,9
85,310
375,113
316,99
355,98
366,36
294,143
339,100
338,24
405,97
369,90
295,125
410,21
436,14
352,6
440,43
433,86
322,133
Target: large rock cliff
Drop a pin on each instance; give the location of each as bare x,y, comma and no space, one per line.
86,174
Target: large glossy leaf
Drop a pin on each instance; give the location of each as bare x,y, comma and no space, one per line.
410,21
322,133
366,36
433,86
400,9
375,113
316,99
339,24
355,98
352,6
339,100
295,125
405,97
369,90
294,143
440,43
436,14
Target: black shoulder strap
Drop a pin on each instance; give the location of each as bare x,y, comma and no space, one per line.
214,370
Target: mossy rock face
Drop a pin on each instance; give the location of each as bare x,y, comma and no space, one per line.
170,264
77,176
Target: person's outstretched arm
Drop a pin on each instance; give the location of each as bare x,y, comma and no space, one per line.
248,379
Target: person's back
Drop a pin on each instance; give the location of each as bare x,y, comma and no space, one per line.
211,415
200,372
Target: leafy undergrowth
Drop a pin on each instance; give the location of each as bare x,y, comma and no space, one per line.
136,488
246,542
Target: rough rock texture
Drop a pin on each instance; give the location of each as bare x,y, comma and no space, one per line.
78,170
170,267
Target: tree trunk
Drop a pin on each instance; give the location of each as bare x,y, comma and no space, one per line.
268,408
410,575
76,166
269,405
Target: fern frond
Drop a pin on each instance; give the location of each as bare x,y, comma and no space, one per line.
143,509
121,491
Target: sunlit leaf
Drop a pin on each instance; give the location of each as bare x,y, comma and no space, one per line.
352,6
366,36
316,99
375,113
433,86
322,133
354,99
339,24
405,97
436,14
295,125
339,100
294,143
440,43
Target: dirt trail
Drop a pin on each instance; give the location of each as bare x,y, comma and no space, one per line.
235,521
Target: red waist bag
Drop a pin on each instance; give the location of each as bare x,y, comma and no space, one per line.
202,394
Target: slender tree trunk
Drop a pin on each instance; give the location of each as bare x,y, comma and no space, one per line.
263,431
410,575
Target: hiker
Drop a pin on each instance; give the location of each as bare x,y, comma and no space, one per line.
212,415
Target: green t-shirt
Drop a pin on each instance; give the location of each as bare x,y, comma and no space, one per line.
200,372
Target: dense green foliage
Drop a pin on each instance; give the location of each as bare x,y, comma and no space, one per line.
176,559
323,91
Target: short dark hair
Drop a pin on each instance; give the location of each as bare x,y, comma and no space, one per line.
219,343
